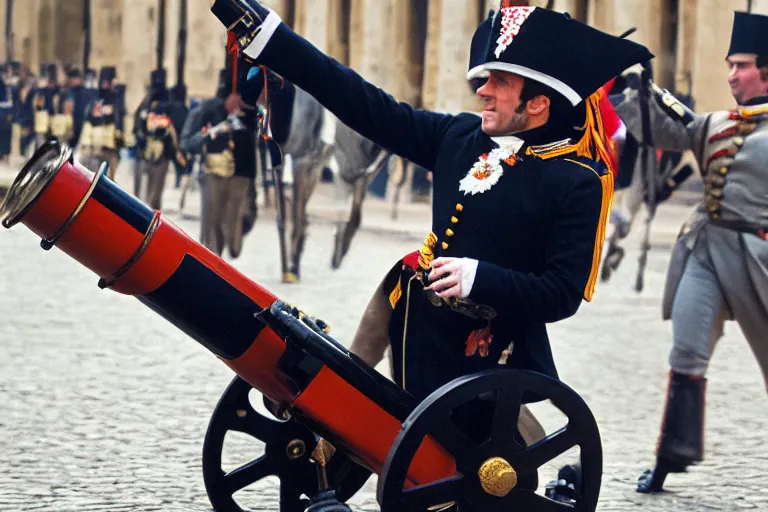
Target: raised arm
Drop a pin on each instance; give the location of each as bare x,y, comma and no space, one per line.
413,134
192,135
671,126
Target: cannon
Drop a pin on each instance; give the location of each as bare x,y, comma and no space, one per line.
333,420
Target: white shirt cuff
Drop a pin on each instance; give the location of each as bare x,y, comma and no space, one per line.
266,30
468,272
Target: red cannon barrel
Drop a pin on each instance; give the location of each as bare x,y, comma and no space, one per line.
137,251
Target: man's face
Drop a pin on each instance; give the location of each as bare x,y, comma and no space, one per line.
75,81
502,114
744,77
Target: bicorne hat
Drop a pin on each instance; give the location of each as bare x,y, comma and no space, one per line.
572,58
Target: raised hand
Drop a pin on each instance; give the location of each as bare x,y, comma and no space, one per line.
241,17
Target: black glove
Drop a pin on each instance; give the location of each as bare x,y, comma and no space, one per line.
241,17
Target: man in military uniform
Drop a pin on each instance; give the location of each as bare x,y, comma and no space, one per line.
6,111
521,198
719,266
63,115
223,131
156,139
471,287
102,135
76,93
42,103
24,112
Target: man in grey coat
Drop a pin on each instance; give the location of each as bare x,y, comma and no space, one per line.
719,266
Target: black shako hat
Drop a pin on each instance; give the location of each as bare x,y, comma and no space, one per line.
749,34
107,74
556,50
157,80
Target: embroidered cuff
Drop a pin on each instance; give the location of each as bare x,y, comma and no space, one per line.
265,34
468,272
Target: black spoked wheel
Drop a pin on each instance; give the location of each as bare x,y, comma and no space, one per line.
495,468
287,449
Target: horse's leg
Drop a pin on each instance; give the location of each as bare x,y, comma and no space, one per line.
348,230
298,220
402,178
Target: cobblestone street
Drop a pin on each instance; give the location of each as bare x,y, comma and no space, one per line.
104,404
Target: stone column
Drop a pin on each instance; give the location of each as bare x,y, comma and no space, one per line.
337,30
139,43
311,21
281,7
760,6
705,37
206,50
25,41
46,30
408,36
372,42
107,33
452,24
576,8
68,40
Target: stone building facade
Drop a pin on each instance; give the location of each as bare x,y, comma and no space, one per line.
415,49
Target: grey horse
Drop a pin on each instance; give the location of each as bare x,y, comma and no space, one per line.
315,139
667,169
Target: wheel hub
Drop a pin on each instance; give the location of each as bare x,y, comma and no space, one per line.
497,476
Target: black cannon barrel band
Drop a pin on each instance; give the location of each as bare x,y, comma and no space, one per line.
124,205
207,308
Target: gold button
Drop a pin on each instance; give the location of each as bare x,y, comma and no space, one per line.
449,232
459,207
444,245
454,220
723,171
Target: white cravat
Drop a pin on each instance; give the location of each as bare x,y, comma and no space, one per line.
509,143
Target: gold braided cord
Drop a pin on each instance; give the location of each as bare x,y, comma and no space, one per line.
427,251
593,144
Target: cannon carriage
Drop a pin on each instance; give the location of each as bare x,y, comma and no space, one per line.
333,420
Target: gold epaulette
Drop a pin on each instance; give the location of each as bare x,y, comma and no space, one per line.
553,149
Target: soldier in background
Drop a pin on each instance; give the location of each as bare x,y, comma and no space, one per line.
102,135
156,139
223,131
718,269
42,103
63,117
24,111
76,87
6,112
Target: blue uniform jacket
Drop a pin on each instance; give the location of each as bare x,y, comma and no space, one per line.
537,233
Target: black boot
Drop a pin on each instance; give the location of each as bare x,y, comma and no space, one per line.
326,501
567,486
681,442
